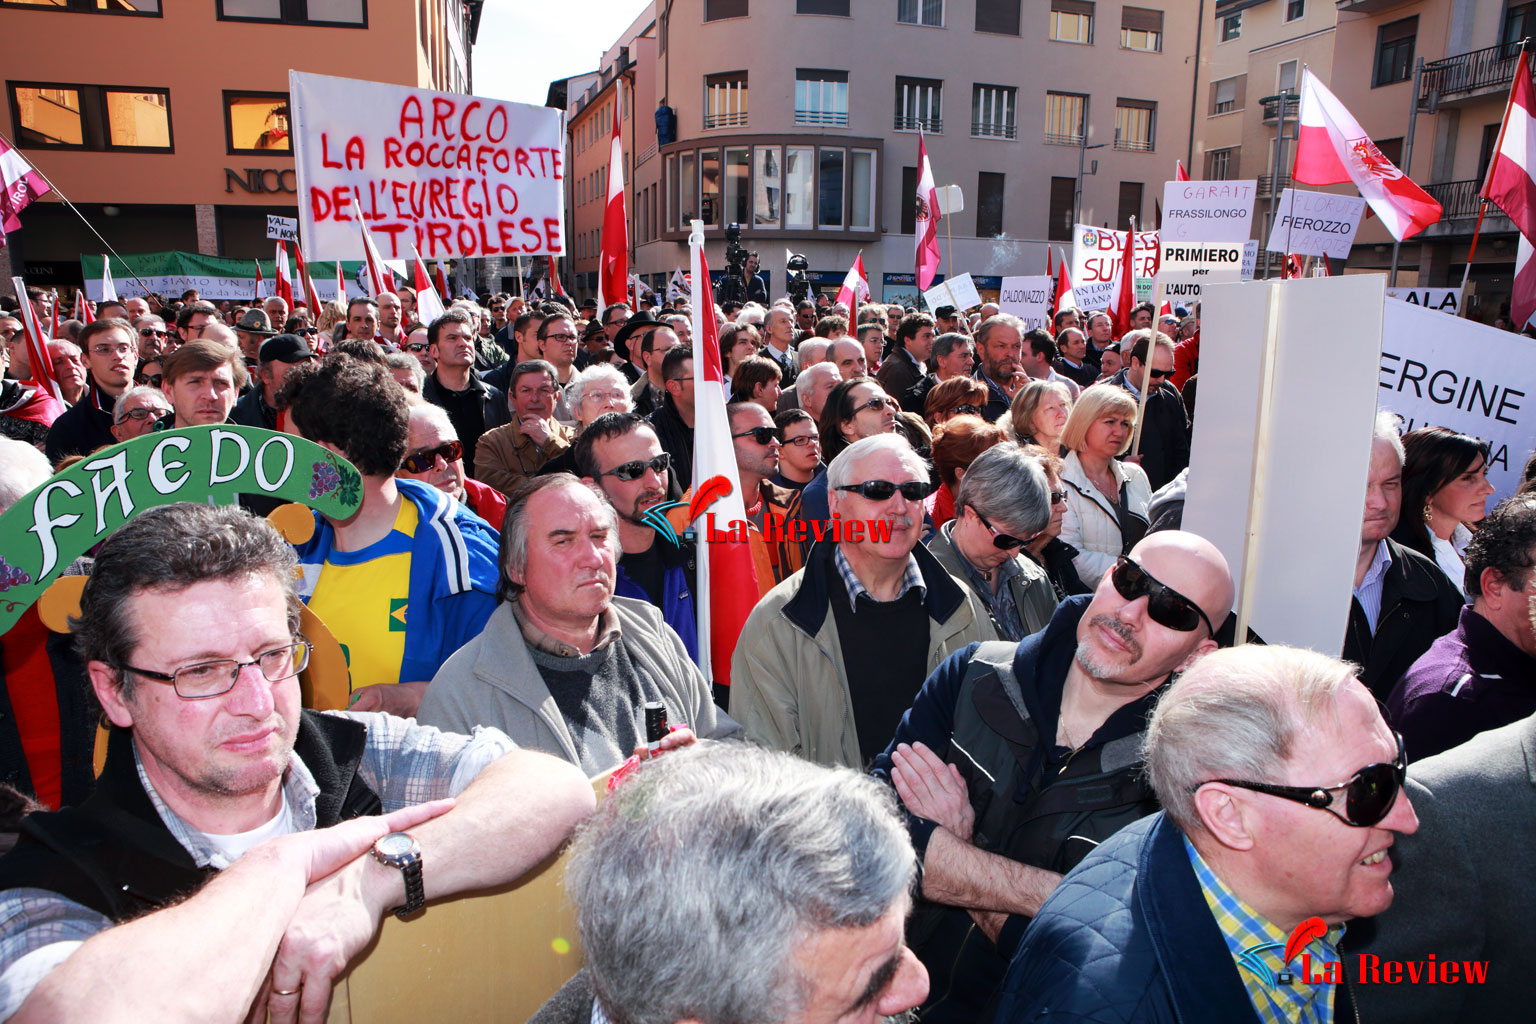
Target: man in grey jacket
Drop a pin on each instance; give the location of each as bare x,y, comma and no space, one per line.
563,665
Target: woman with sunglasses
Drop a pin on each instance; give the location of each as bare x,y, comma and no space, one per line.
1047,550
955,447
958,396
1003,502
1106,499
1039,414
1445,490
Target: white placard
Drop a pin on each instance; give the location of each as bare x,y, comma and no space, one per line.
1441,371
1095,256
455,175
282,229
1250,258
1029,299
959,291
951,199
1444,300
1310,507
1315,223
1208,211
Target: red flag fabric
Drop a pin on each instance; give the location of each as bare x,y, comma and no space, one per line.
926,223
1064,294
22,184
82,308
1511,187
1049,272
378,282
1332,148
259,296
1180,174
429,304
341,287
442,281
1123,294
37,348
284,285
613,268
1293,267
311,296
855,289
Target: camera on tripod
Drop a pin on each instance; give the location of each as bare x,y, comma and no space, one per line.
799,284
733,287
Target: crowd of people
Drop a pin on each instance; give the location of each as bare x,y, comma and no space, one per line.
992,756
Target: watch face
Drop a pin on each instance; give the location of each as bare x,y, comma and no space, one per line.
396,844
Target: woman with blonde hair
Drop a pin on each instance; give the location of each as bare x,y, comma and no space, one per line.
1039,414
331,313
1107,498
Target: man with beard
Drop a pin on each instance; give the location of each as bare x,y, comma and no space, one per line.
1042,740
1000,344
620,455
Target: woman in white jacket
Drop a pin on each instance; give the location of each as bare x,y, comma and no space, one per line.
1106,498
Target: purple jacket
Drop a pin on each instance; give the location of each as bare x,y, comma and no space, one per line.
1470,680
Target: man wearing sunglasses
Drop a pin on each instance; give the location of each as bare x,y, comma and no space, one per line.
1165,430
1017,758
434,456
153,337
831,657
1282,793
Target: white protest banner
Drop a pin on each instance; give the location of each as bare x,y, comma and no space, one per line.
1207,211
1445,300
938,295
1439,371
454,175
282,229
964,290
1250,258
1184,268
1029,299
1315,223
1096,253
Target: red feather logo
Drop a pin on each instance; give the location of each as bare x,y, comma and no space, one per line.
1311,928
706,494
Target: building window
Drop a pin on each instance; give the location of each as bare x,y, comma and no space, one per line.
1135,123
1063,203
687,191
1295,9
94,117
1141,29
1285,76
799,182
989,205
1221,164
725,100
1394,51
715,10
256,122
1072,21
920,12
1228,94
908,200
150,8
821,97
837,8
994,111
1231,27
738,170
709,187
919,105
1392,149
353,13
768,187
1065,116
1485,149
1000,16
1130,204
861,190
1519,22
829,189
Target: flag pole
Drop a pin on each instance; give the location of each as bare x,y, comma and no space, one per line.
1146,367
1482,193
75,210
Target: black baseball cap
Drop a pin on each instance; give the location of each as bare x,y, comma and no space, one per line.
285,348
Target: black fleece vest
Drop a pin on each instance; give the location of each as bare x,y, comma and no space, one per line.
114,855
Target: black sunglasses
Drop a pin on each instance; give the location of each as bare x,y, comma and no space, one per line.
1166,606
882,490
417,346
1160,374
307,331
150,332
1001,541
1057,497
152,379
420,462
1368,795
966,410
884,402
634,470
762,435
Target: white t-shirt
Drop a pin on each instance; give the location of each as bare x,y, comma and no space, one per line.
233,847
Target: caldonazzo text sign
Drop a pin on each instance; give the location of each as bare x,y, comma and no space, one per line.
1441,371
1209,211
454,175
1029,299
1315,223
77,509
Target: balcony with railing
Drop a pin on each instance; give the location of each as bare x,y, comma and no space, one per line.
1133,145
932,125
726,119
1271,106
1458,199
1273,184
1469,75
994,130
828,118
1063,138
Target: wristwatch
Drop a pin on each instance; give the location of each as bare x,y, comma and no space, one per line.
400,850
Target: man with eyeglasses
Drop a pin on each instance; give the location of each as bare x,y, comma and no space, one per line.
111,353
620,455
1282,792
434,456
830,658
153,337
416,345
138,411
1165,428
557,346
227,862
513,452
1016,759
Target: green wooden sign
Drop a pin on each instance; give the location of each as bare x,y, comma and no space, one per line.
77,509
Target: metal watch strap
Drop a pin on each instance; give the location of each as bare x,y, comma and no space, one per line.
415,892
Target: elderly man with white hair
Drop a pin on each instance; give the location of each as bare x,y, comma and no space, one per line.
1282,793
434,455
830,658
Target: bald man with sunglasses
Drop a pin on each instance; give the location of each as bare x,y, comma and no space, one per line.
1017,759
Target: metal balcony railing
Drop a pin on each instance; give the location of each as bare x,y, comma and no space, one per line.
726,119
1488,68
1457,198
912,124
1273,184
1134,145
994,130
834,118
1272,107
1062,139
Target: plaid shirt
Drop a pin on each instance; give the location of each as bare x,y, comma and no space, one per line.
404,763
1257,946
912,577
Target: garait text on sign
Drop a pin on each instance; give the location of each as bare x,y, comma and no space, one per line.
75,510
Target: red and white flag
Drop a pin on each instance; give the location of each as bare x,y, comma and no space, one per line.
284,282
341,286
82,308
441,278
258,279
727,586
108,289
380,278
926,223
1065,297
37,348
429,304
613,265
1122,295
311,296
22,184
1332,148
1179,173
1511,187
855,289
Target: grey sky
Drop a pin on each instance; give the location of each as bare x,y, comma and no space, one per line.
526,44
